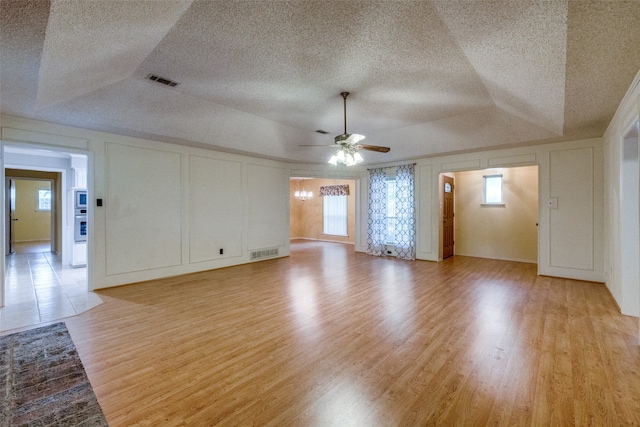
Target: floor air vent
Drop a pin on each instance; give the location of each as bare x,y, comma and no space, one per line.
162,80
264,253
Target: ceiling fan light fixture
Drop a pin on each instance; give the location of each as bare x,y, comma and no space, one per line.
347,143
347,154
349,161
349,138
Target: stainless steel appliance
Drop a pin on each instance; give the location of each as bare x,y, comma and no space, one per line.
80,220
80,228
81,199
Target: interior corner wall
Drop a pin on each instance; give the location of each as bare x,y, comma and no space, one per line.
619,227
306,216
508,231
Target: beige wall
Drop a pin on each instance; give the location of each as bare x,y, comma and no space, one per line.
306,216
506,232
32,224
55,177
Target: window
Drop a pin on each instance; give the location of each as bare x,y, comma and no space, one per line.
492,190
391,211
44,199
334,215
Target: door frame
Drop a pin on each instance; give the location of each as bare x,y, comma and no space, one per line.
52,215
453,172
67,221
629,219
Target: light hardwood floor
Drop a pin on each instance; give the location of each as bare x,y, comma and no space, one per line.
329,337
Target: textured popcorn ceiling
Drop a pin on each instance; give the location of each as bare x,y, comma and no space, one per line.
426,77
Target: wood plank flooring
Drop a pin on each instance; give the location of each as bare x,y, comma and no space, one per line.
329,337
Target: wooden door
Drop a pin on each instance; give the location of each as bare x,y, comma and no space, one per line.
447,217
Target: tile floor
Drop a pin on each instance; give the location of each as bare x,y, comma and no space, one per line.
38,288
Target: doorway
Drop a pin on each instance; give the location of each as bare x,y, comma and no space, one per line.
42,285
31,219
505,229
308,210
447,216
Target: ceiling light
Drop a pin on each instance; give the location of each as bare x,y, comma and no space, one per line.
304,194
347,144
346,154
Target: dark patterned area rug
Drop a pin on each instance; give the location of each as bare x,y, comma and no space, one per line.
43,382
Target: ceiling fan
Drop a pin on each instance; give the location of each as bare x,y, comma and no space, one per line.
347,145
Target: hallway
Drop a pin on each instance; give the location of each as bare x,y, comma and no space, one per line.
38,288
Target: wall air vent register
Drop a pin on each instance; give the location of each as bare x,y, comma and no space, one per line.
264,253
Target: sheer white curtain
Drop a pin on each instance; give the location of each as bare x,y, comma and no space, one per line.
334,207
405,212
377,217
335,215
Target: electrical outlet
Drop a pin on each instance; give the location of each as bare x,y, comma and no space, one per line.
221,251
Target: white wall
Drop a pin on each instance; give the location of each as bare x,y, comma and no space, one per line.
622,223
223,194
168,209
507,231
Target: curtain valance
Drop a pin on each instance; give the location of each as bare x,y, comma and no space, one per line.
334,190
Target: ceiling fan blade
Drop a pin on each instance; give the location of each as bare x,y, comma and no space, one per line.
354,138
377,148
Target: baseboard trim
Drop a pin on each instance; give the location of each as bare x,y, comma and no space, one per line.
321,240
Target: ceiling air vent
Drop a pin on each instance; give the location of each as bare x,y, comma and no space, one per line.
162,80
